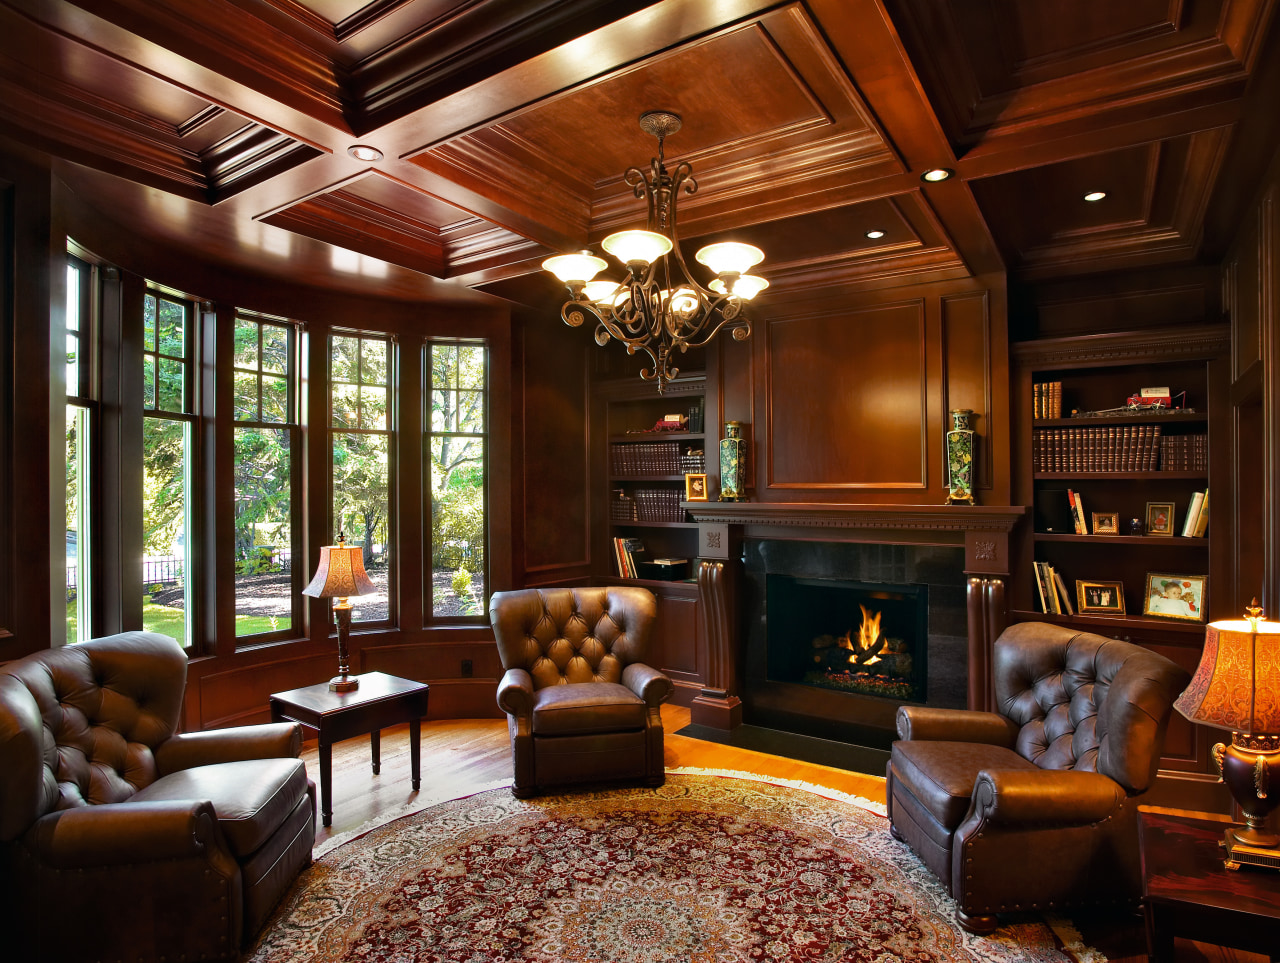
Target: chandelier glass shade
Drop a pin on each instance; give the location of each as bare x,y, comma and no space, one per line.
659,308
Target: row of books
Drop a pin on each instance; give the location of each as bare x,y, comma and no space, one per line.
624,553
1052,589
1184,452
659,505
1110,448
1046,398
645,458
1197,521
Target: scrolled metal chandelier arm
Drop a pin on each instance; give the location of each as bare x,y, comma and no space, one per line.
660,307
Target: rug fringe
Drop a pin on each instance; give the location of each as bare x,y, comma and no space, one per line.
1072,942
860,801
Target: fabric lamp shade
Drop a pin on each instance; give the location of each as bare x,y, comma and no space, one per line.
340,573
1237,684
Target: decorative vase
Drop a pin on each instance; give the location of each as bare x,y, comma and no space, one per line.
733,450
960,458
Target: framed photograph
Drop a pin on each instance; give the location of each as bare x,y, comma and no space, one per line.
1159,518
1175,597
695,488
1106,523
1100,598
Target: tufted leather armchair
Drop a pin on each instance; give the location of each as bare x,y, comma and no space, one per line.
581,704
1035,806
121,840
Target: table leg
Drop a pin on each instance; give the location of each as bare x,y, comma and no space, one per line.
415,752
326,783
1159,937
375,746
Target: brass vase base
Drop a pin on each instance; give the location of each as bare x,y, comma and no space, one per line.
1261,852
344,683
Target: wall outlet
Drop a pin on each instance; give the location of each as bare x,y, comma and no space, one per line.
466,668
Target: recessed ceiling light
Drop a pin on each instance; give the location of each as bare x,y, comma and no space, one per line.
365,153
875,234
937,174
1095,195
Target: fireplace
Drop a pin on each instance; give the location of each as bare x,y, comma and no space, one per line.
857,637
815,664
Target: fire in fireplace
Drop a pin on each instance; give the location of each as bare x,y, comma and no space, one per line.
854,637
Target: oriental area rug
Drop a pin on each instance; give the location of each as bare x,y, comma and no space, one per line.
705,869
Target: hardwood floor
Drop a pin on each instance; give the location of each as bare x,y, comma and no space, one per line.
463,756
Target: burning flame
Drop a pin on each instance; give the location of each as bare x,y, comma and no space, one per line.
868,636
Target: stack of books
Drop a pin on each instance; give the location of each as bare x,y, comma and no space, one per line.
1046,399
652,458
659,505
1184,453
624,552
1109,448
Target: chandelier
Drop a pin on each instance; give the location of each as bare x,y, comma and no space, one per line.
660,307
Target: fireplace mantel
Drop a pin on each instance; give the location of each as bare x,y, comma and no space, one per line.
935,518
983,530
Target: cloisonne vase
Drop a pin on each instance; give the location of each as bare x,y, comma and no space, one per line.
960,457
733,450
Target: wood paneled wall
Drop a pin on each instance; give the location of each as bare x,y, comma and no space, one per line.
845,398
1251,292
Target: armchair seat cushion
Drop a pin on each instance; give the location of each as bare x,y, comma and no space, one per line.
585,708
940,775
252,798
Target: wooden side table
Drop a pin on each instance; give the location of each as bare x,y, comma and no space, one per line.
1187,891
381,700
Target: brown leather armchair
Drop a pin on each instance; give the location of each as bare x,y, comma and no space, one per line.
1035,806
581,704
120,839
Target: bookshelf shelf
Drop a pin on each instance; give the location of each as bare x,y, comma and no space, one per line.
617,524
655,436
644,478
1121,475
1173,418
1108,624
1126,541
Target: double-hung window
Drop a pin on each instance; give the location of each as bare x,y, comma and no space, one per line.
266,438
360,432
82,412
457,456
168,463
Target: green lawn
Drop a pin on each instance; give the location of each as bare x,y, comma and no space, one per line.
172,622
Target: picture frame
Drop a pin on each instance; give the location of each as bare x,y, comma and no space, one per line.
1099,598
1106,523
695,488
1160,518
1180,597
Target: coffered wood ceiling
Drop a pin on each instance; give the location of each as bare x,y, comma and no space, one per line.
221,128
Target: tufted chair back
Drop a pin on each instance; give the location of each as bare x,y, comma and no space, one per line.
91,716
572,635
1083,702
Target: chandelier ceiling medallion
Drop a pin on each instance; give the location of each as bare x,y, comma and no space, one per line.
660,307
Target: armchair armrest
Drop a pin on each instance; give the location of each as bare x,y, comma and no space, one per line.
126,833
955,725
1065,797
648,683
515,693
276,740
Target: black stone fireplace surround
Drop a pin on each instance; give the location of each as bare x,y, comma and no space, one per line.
793,591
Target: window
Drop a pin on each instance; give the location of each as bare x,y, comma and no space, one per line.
266,441
81,411
168,401
457,452
360,432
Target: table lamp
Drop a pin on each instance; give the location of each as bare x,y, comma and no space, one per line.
1237,687
340,575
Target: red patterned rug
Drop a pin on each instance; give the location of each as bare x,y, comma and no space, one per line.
705,869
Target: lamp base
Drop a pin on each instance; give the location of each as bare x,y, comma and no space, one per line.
344,683
1239,852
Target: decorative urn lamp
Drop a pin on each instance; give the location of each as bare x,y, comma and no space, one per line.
1237,687
340,575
